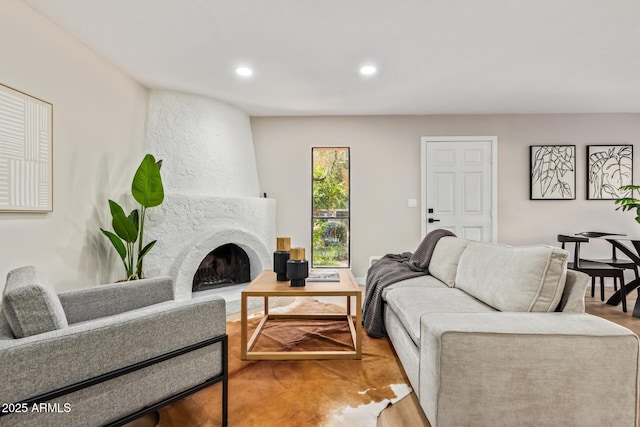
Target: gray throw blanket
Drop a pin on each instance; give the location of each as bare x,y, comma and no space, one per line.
391,269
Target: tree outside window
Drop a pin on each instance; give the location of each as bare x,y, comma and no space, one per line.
331,214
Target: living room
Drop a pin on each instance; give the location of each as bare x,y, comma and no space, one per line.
584,91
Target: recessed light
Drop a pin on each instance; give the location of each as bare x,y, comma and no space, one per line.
368,70
244,71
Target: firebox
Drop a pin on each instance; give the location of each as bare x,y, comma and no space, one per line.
224,266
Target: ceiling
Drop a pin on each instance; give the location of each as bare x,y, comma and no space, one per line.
433,56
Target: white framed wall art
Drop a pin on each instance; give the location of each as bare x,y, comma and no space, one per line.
26,150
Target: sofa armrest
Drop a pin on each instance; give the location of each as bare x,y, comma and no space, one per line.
94,302
45,362
505,369
373,259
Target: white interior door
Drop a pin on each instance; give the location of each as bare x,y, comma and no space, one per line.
459,186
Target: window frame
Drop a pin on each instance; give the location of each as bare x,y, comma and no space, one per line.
348,217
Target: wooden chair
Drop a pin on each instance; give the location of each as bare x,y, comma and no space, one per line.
625,264
594,269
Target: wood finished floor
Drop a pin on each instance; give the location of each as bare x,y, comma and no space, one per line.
407,412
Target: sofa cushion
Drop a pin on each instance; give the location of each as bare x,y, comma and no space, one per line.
410,303
30,304
526,278
575,285
415,282
445,258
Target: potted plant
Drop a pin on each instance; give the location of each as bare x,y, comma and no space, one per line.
628,203
147,190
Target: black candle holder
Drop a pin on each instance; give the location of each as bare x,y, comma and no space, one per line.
280,258
297,268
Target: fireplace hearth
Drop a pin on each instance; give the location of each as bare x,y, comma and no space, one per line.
224,266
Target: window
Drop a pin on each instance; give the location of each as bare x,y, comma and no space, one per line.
330,209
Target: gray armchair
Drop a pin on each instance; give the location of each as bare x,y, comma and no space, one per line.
104,355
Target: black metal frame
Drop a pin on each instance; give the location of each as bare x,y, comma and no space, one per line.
223,376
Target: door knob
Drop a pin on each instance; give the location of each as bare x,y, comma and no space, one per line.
433,220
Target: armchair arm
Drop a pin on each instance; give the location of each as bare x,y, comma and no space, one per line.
511,367
45,362
95,302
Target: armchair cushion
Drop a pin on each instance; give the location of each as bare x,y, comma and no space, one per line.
95,302
30,304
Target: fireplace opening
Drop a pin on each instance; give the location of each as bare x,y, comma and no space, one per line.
224,266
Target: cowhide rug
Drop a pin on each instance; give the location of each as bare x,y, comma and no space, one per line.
299,393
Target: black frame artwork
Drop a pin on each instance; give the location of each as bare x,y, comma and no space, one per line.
552,172
609,167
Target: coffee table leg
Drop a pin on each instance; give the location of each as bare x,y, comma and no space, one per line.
359,325
266,306
243,326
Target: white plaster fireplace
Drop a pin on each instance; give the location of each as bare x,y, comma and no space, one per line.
212,195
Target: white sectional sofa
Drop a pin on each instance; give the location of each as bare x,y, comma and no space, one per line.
498,336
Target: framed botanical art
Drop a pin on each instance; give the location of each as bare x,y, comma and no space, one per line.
609,167
26,144
552,172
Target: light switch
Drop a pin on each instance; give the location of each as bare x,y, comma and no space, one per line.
412,203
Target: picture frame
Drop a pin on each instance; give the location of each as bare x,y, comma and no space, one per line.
609,167
552,172
26,152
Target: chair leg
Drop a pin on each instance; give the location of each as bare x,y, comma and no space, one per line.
635,270
593,286
615,284
601,288
623,293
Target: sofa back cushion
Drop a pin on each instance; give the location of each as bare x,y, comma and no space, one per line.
444,261
30,304
527,278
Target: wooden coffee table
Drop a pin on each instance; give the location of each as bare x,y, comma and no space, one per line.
265,286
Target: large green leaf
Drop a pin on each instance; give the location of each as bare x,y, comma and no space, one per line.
141,255
124,228
134,217
146,249
116,242
146,187
115,208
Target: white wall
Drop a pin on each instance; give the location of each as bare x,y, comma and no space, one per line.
385,172
98,128
99,115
